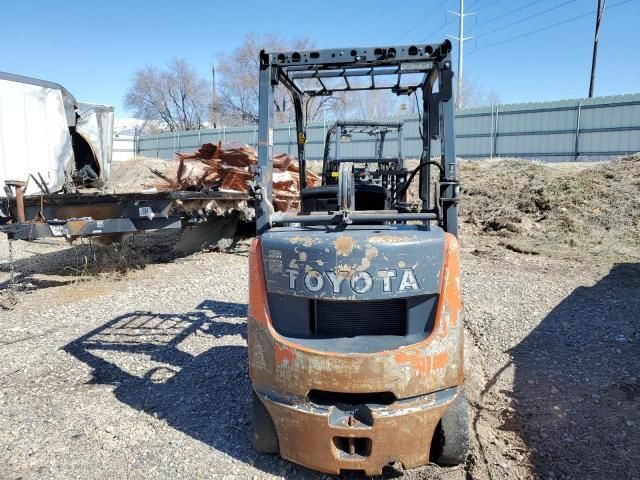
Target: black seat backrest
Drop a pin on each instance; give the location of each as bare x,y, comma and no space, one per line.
325,198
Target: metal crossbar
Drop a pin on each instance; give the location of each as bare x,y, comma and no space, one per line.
349,64
349,78
369,130
364,126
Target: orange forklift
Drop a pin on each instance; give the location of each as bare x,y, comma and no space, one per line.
355,331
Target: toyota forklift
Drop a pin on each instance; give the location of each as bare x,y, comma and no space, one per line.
355,335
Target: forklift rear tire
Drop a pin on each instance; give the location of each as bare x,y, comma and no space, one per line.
263,435
450,445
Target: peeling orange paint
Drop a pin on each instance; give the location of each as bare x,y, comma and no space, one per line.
418,361
258,308
440,360
443,321
282,354
452,279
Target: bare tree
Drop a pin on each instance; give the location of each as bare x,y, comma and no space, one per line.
371,104
238,92
473,96
176,97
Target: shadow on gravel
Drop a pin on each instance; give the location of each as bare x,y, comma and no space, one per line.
577,388
204,394
164,365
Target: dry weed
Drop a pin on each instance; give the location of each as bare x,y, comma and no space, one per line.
538,208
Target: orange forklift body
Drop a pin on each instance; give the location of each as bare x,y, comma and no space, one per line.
423,378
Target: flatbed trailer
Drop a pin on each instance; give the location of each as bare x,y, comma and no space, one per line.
93,214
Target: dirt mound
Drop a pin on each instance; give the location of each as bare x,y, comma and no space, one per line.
533,207
135,175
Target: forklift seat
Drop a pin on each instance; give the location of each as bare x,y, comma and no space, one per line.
325,198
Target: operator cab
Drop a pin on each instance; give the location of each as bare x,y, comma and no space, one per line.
325,198
377,177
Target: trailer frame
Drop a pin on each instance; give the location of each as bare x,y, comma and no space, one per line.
86,214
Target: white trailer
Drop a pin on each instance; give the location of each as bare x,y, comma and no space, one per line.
48,140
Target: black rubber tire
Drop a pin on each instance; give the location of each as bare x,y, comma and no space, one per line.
263,435
450,445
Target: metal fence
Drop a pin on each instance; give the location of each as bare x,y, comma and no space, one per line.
124,147
568,130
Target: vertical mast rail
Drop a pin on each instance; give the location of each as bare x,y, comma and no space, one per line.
449,186
264,207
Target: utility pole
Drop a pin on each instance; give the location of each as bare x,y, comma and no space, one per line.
599,13
461,39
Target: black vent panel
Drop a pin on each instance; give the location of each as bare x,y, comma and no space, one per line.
334,319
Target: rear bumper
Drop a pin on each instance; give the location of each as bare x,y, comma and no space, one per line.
332,438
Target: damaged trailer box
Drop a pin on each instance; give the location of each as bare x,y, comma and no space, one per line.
49,141
55,157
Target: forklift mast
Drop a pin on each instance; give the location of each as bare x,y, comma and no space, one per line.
378,169
377,129
425,69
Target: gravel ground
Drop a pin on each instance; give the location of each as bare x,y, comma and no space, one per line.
144,375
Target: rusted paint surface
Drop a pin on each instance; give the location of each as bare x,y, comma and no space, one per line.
282,354
432,365
306,241
74,227
369,254
416,360
391,238
403,435
382,371
440,360
421,363
19,198
452,280
96,212
344,245
375,267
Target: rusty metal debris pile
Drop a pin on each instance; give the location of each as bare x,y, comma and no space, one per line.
230,167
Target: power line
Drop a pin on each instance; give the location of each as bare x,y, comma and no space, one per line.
519,9
547,10
422,19
475,4
487,5
538,30
448,22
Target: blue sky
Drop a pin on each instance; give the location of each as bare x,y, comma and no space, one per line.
93,48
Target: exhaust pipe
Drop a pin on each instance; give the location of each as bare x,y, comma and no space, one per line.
18,186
